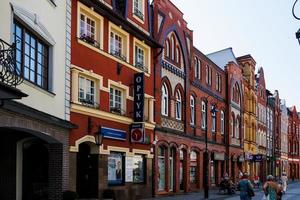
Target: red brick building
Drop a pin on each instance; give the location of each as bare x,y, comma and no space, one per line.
234,95
111,43
293,143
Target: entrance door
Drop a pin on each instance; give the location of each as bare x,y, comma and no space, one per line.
87,172
35,171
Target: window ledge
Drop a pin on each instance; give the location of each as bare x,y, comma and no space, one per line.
100,51
51,94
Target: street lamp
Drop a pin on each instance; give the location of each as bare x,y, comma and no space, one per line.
98,137
298,35
206,155
298,32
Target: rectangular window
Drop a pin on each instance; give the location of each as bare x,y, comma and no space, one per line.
115,100
138,169
86,91
139,57
138,9
203,117
192,106
115,168
87,27
193,174
31,56
222,123
116,46
213,118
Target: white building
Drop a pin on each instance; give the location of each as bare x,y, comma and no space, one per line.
284,136
35,129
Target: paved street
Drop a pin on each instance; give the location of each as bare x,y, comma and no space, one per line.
293,193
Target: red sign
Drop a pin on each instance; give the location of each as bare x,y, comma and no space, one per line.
137,133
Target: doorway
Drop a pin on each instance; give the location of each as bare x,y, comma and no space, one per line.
182,170
35,171
87,172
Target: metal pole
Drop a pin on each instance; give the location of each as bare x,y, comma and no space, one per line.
206,158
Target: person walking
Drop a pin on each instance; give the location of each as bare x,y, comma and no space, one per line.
271,189
246,188
284,180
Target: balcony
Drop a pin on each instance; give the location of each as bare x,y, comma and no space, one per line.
172,124
118,54
138,13
90,40
89,103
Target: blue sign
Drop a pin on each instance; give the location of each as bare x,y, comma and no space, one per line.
256,158
113,133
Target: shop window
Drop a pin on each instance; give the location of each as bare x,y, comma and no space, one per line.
32,56
115,168
161,169
138,169
86,92
138,9
193,167
116,101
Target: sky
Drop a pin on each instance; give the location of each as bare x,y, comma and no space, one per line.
263,28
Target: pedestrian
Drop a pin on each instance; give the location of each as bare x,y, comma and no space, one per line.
246,188
271,189
284,180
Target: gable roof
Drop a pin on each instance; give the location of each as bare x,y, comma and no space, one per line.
222,57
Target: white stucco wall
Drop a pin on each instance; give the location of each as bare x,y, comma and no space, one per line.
53,18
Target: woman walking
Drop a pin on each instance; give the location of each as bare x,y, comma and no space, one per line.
246,188
271,189
284,180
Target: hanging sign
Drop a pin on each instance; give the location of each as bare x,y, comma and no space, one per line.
137,133
139,97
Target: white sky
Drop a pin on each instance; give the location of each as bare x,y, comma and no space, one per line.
263,28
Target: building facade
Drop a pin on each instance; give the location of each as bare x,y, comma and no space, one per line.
270,133
284,137
293,143
261,136
34,129
234,139
112,73
277,135
247,63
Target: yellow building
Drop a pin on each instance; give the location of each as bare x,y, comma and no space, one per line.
247,63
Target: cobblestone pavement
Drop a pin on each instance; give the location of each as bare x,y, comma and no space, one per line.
293,193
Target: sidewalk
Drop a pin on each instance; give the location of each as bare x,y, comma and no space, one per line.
213,194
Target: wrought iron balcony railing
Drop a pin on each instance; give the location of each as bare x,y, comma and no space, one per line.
90,41
141,66
117,110
9,73
138,13
118,54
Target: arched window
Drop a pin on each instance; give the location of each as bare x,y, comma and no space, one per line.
192,106
167,49
178,105
213,119
232,125
197,68
203,113
177,55
222,123
207,74
172,166
164,100
237,126
161,168
193,167
173,47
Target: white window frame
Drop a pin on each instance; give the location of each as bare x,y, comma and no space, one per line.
140,8
98,20
222,123
113,103
85,87
147,55
213,126
118,31
192,106
165,100
203,115
178,105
